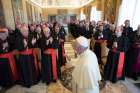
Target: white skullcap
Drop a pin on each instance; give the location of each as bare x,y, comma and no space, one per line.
82,41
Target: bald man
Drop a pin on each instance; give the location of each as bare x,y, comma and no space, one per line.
86,73
27,64
118,45
48,60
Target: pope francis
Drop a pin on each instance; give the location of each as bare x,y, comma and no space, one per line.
86,74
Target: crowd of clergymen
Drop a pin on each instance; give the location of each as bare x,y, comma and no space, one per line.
35,52
31,53
116,47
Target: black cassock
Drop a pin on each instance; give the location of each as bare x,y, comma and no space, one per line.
133,57
49,63
8,71
61,50
27,64
128,31
87,32
100,37
59,46
114,68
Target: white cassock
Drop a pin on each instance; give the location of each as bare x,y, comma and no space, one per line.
86,73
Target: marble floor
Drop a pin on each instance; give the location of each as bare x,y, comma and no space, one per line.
58,88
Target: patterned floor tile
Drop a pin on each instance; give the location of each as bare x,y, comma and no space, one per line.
58,88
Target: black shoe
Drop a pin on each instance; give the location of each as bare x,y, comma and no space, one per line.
135,78
47,83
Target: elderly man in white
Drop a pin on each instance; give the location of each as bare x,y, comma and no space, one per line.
86,74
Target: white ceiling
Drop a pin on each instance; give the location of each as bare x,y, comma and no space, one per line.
60,3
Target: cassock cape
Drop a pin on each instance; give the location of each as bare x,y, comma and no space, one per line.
86,73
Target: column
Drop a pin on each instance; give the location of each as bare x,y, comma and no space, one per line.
25,19
8,13
33,13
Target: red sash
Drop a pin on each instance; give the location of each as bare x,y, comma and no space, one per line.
31,52
120,65
12,63
26,52
54,64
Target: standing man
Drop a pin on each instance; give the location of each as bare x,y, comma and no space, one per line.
127,30
118,45
48,60
100,37
133,60
27,63
59,39
86,73
8,71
